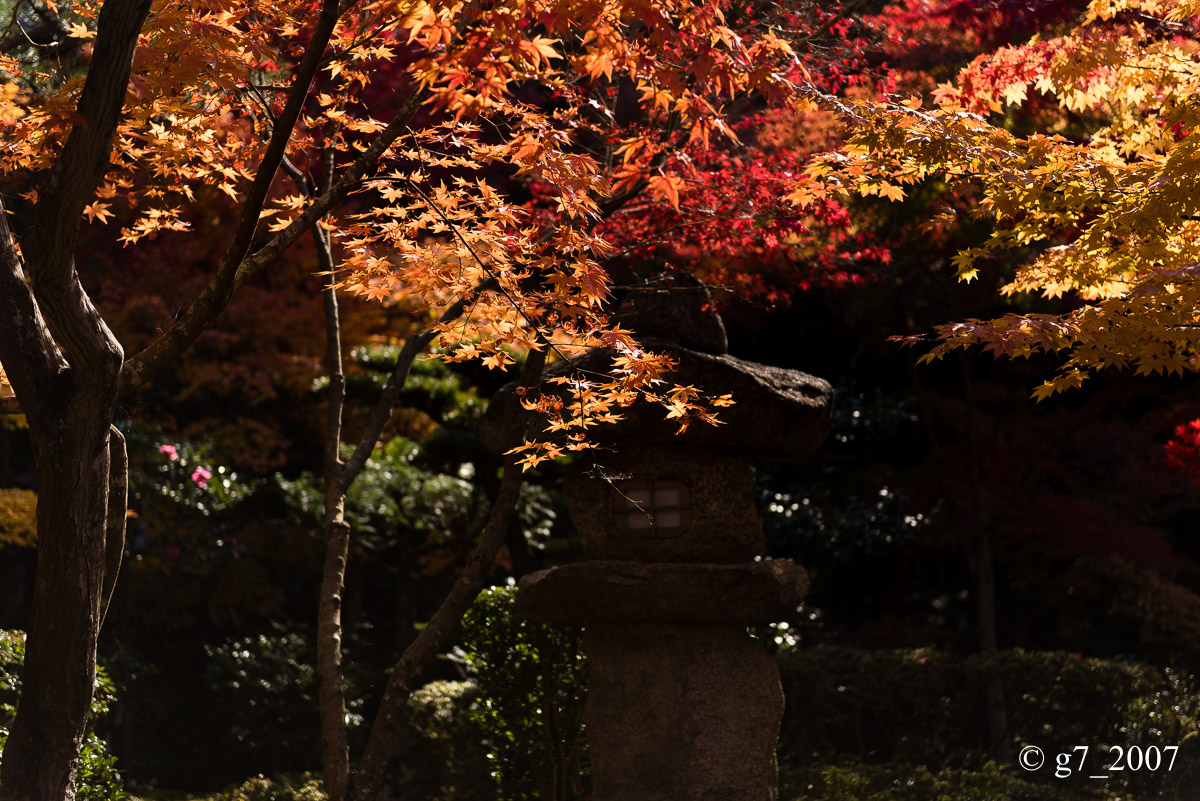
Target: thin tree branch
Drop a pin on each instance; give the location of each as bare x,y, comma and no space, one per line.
212,301
44,34
281,134
431,640
199,315
413,346
118,504
335,747
27,351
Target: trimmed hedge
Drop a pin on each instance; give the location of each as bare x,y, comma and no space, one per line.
909,783
926,707
453,754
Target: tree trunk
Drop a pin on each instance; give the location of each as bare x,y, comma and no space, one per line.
985,579
335,748
72,457
64,365
999,749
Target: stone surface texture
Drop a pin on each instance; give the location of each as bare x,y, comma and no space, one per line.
674,307
755,592
681,713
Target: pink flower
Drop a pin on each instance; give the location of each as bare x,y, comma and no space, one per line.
170,451
200,477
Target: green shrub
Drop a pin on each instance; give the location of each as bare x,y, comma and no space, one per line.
532,681
514,731
96,775
453,756
268,688
97,778
903,706
302,788
12,656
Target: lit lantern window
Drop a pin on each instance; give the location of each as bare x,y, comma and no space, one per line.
653,508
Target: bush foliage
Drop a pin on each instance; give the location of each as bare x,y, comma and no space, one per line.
304,787
268,686
96,777
532,679
518,721
457,766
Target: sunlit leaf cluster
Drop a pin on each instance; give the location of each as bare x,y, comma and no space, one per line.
1111,216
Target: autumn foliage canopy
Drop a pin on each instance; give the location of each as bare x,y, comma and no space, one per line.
1083,149
492,153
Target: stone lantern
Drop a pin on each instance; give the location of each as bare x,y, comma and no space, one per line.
683,704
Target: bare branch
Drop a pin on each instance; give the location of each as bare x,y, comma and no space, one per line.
27,350
45,34
436,633
335,746
413,346
118,504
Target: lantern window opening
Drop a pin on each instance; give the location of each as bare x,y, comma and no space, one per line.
653,508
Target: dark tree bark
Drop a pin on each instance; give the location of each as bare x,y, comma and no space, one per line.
64,364
60,658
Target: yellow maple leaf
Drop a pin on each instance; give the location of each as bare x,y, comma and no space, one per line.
891,192
97,210
1015,94
77,31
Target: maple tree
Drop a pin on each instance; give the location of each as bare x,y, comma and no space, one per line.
1075,151
925,44
403,177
